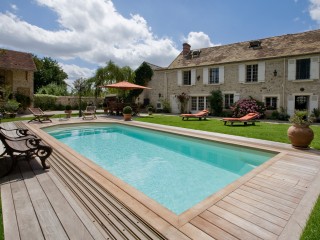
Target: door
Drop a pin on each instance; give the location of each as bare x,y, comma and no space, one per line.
301,103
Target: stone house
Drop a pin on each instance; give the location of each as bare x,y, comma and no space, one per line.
16,73
282,72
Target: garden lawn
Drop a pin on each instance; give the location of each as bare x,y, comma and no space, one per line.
276,132
312,229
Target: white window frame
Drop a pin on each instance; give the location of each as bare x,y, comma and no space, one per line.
272,96
197,96
214,75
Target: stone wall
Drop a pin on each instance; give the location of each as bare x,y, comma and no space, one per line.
74,100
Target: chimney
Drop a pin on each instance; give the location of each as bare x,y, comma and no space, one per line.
186,48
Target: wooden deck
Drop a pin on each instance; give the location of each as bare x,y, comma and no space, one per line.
76,199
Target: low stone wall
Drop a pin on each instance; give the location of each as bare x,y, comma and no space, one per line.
74,100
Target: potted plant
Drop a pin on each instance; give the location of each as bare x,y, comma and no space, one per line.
299,133
127,113
68,111
150,110
11,107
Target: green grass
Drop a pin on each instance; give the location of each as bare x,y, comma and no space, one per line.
262,130
312,229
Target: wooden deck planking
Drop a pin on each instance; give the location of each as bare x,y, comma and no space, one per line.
242,223
259,221
256,211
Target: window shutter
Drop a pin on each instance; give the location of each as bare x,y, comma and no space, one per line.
179,76
261,71
292,69
314,69
314,102
290,107
205,76
221,74
193,77
242,73
236,97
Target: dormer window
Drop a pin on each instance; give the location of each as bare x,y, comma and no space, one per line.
255,44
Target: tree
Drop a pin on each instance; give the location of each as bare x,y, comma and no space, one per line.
48,72
143,75
53,89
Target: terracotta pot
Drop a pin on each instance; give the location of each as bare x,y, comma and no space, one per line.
68,113
127,117
300,135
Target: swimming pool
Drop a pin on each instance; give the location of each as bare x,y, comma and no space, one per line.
176,171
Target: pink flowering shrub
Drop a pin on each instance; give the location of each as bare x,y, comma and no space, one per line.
248,105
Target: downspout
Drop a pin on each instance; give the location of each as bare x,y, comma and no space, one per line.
283,84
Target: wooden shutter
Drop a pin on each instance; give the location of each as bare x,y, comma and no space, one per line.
236,97
221,74
179,77
313,102
205,76
292,69
193,76
290,106
242,73
261,71
314,68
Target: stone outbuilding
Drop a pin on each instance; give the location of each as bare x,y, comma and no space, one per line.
16,73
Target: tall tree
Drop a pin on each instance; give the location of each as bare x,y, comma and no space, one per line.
48,72
143,75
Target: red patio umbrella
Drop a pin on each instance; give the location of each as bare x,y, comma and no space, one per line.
124,85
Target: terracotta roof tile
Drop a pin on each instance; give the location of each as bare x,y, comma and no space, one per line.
281,46
16,60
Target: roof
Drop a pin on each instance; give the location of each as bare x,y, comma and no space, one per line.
273,47
153,67
16,60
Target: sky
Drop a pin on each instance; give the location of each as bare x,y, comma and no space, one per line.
83,35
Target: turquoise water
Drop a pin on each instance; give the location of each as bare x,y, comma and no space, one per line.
177,172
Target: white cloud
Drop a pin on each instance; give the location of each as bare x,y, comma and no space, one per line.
76,72
92,31
199,40
14,7
314,10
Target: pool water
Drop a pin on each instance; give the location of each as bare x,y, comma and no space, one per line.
176,171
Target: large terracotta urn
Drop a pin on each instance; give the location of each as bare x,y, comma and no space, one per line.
127,117
300,135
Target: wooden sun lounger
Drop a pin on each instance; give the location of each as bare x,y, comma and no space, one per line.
89,113
202,114
249,118
40,116
27,145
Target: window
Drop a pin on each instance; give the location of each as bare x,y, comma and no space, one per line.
252,73
187,78
199,103
303,69
193,103
214,75
228,100
271,103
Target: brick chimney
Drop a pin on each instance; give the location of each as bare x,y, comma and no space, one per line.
186,48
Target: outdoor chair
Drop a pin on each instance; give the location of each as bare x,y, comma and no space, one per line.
249,118
89,113
40,116
26,146
202,114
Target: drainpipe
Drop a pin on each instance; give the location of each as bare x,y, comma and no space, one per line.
284,83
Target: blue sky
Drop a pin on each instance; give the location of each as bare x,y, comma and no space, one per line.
83,35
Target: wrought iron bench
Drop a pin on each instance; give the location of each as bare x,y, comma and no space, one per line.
24,144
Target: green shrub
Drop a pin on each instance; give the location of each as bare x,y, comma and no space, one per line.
127,110
45,101
216,102
11,106
24,100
